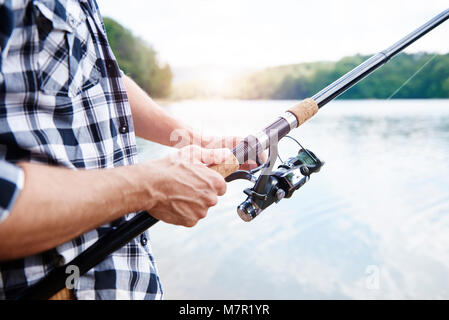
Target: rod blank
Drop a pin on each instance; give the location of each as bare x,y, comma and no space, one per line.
355,75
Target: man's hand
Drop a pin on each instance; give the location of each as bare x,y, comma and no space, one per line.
212,142
178,189
181,188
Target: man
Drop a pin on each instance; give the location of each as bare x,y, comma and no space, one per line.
64,104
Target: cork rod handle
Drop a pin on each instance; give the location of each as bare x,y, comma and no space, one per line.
304,110
227,167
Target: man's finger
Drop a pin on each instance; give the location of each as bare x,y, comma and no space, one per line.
214,156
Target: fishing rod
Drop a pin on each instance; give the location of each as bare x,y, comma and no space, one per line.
269,186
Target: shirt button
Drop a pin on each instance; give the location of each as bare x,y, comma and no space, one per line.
72,22
123,129
143,240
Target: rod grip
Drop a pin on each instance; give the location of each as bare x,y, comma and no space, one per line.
304,110
230,165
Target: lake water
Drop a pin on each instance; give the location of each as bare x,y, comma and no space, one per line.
374,223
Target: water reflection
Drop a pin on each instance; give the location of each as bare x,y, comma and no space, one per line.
374,223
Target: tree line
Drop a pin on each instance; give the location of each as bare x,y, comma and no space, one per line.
139,60
304,80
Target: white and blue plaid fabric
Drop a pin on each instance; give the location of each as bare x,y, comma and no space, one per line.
63,103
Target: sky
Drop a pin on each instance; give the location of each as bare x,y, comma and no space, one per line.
261,33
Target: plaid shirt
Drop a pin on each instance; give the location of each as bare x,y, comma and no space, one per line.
63,102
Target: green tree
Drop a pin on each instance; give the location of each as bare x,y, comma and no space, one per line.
303,80
139,60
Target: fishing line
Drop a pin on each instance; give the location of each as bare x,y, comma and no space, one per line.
307,151
412,76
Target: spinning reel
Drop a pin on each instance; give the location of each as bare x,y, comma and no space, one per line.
271,187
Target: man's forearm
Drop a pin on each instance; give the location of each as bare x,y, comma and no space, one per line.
58,204
153,123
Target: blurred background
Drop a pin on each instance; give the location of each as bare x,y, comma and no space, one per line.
374,223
